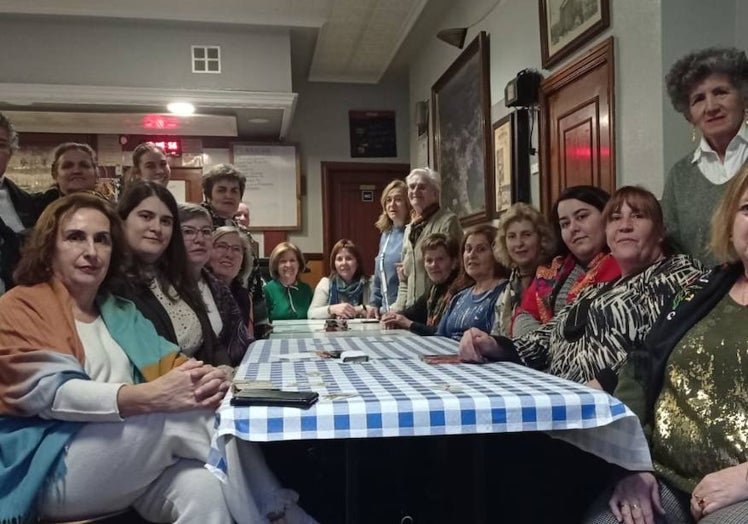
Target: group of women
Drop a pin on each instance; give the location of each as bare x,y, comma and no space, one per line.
88,369
603,300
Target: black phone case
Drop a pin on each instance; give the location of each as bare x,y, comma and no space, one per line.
274,397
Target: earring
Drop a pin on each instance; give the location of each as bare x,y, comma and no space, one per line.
694,134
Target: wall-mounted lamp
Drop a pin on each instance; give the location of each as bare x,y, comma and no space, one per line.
422,117
454,36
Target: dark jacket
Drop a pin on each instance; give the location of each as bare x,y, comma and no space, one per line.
640,380
419,311
211,351
28,207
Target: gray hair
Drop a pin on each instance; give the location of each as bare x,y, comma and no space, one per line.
245,267
12,133
694,68
188,211
428,175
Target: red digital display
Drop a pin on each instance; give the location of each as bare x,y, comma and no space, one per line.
172,146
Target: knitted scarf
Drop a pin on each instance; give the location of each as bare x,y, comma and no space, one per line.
419,222
352,293
550,279
439,297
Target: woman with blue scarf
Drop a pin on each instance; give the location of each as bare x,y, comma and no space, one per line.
345,293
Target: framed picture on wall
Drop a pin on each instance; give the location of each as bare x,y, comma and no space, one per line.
565,25
504,170
462,134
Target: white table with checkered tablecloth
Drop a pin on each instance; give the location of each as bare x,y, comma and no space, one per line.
377,346
395,394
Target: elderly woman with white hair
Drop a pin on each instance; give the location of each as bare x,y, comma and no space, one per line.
424,190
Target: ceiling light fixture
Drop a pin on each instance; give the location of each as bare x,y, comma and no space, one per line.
456,35
181,108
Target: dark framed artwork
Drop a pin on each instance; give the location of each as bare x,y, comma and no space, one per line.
504,170
462,134
565,25
372,134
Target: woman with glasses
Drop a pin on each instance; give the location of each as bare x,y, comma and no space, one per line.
287,297
164,286
225,317
589,340
230,261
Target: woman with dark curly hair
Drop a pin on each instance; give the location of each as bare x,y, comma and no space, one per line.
710,89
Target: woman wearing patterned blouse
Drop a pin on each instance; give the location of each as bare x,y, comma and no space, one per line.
689,387
584,259
474,307
225,317
588,341
165,290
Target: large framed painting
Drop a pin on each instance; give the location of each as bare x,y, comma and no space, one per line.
565,25
461,109
504,170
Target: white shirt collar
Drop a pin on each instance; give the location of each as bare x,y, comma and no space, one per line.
705,148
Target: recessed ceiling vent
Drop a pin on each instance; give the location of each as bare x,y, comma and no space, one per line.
206,59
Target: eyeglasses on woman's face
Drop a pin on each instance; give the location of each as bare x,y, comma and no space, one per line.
224,247
190,233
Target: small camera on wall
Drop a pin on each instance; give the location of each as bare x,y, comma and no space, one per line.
523,89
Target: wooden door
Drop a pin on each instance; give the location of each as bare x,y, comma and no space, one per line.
577,133
187,181
350,205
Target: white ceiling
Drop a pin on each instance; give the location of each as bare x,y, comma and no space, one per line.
356,39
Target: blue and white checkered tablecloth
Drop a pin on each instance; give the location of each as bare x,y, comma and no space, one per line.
376,346
407,397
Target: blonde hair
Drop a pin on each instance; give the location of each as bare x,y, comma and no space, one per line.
384,222
518,212
724,217
280,250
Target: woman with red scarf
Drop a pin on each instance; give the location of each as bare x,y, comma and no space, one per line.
584,260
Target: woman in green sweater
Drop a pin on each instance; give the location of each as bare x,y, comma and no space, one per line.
287,297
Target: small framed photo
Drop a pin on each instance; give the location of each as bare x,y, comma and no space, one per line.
565,25
504,170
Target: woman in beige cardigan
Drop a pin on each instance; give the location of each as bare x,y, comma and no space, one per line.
424,190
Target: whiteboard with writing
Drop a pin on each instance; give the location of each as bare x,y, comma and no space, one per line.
273,191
